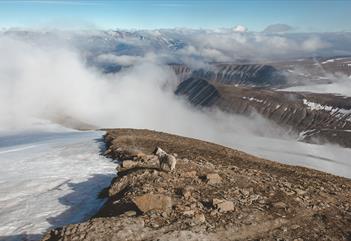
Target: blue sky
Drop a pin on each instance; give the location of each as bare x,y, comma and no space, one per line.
303,15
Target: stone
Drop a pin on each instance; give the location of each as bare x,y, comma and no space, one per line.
108,151
189,174
279,205
131,152
295,226
130,213
140,154
245,192
300,192
213,178
189,213
149,159
186,192
223,205
116,187
128,164
149,202
155,225
213,212
199,218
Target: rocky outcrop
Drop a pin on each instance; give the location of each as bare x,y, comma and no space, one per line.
251,199
149,202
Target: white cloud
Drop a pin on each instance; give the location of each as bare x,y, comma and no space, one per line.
240,29
314,43
191,46
124,60
46,82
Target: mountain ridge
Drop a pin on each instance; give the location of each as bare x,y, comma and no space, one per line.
317,118
214,193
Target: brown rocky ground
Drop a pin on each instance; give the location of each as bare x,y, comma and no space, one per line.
214,193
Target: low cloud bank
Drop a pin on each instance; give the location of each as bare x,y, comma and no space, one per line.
49,83
338,84
46,82
194,46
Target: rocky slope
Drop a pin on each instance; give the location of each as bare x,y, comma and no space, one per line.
243,74
317,118
293,72
198,91
214,193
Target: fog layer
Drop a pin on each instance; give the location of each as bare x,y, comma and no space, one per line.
39,82
54,82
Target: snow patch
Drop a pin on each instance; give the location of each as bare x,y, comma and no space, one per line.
329,61
252,99
338,112
317,106
50,179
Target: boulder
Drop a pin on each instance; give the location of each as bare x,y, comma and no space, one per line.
149,202
189,213
127,164
223,205
130,213
189,174
187,191
199,218
279,205
213,178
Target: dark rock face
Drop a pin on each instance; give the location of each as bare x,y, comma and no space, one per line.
198,91
317,118
242,74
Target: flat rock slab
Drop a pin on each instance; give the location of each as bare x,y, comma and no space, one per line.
150,202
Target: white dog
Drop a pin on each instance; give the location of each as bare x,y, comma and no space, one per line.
167,161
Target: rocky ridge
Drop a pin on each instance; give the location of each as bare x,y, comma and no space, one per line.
281,73
316,118
240,74
212,193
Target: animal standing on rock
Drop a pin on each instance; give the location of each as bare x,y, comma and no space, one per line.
167,161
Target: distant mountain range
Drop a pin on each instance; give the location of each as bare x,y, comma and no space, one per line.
187,45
